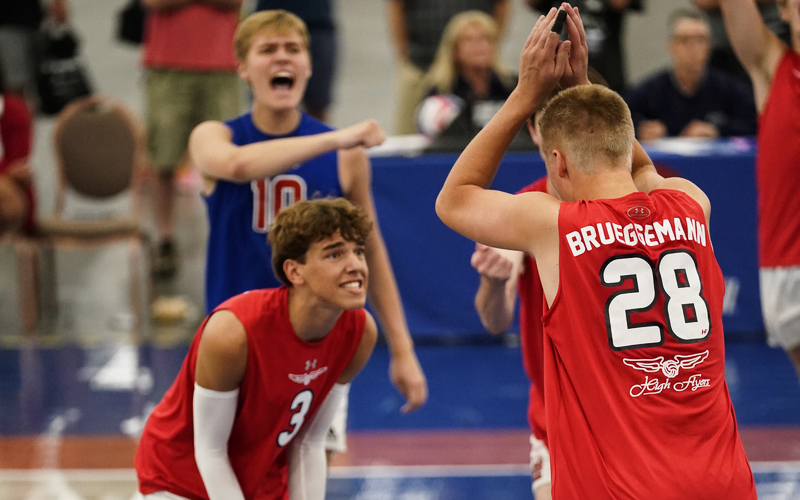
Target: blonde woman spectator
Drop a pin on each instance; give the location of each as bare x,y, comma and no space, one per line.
467,65
416,27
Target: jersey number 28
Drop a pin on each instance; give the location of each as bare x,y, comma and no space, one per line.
677,278
271,195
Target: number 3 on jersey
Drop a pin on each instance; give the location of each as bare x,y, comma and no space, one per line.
271,195
677,278
300,405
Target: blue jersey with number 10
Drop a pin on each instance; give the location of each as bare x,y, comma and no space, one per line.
239,257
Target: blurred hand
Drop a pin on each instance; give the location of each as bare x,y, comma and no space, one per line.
366,134
650,130
406,375
541,63
698,128
13,206
578,64
491,264
20,172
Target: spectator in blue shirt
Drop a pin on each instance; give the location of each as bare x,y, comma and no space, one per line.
691,99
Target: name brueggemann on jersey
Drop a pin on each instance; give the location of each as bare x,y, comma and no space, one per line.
595,236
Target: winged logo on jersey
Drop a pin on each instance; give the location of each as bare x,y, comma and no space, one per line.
306,378
670,367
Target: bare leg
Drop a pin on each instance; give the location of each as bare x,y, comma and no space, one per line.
165,201
165,263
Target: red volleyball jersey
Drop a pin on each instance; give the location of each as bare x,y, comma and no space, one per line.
531,308
636,400
777,172
285,381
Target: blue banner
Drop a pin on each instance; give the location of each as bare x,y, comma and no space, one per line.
431,262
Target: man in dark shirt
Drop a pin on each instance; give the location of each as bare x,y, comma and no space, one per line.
604,22
691,99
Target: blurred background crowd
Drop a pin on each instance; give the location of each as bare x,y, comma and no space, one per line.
377,60
435,71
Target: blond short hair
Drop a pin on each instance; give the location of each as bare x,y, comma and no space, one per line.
274,21
588,122
299,226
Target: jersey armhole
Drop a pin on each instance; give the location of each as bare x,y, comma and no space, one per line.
557,299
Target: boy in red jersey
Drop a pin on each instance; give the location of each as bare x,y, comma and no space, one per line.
275,155
246,417
774,69
635,397
503,274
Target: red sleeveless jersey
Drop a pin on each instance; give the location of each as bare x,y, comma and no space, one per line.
778,168
531,308
636,400
285,381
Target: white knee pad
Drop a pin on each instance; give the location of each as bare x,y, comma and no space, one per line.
336,439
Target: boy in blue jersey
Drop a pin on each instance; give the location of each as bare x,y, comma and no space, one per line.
276,155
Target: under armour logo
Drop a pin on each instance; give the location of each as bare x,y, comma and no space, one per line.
311,364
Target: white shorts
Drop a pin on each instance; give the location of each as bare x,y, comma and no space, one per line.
780,305
540,464
336,439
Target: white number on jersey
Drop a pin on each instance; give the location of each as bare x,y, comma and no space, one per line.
677,278
303,401
271,195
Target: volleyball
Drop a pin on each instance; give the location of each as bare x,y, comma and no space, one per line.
436,112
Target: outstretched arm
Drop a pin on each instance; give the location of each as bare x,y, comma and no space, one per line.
758,49
404,368
497,293
213,152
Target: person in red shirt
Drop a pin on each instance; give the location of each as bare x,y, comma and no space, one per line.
190,77
17,200
247,415
503,274
774,69
635,395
